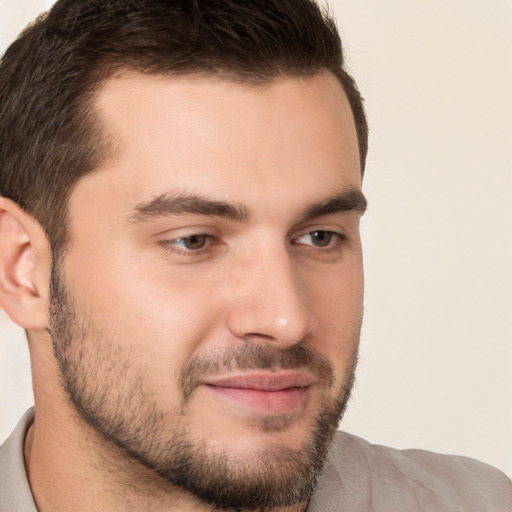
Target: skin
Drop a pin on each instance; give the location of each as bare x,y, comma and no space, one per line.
153,305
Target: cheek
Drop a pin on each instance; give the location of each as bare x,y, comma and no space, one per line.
335,294
337,304
175,317
162,317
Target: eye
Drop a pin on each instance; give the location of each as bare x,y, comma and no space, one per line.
191,243
320,238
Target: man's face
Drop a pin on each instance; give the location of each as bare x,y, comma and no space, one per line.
206,313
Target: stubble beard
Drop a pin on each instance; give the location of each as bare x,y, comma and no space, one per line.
110,393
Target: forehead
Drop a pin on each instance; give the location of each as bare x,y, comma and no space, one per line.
288,139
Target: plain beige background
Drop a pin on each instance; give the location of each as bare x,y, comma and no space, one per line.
436,361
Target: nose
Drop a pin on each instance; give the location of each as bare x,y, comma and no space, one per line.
270,303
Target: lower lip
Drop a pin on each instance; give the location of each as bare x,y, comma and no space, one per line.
264,402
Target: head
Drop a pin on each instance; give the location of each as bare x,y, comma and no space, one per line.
198,165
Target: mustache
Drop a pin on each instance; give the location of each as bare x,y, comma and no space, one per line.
255,357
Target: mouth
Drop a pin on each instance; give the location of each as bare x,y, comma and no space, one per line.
264,393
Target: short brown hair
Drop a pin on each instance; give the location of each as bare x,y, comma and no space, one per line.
50,74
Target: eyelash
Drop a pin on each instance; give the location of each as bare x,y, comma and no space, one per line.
171,244
335,243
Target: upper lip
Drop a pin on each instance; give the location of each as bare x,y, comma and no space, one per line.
263,381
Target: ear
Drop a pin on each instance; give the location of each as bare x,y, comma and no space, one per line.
25,266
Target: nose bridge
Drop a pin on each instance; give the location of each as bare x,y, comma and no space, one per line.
271,304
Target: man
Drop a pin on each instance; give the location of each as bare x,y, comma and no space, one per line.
179,236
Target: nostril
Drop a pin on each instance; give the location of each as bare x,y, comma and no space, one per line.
256,336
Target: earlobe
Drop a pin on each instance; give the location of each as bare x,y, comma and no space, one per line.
24,267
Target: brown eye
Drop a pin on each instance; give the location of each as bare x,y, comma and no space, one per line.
192,243
319,238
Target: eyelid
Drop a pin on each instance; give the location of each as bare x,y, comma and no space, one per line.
341,237
191,254
185,231
203,237
167,240
335,229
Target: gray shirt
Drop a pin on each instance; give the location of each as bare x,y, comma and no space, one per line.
357,477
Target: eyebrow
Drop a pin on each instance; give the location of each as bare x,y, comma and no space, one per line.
179,204
344,201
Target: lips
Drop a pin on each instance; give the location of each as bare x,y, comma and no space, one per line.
263,393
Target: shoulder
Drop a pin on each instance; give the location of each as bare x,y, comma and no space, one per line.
365,475
15,494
